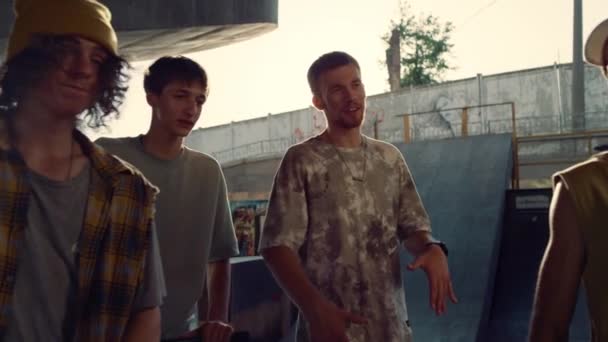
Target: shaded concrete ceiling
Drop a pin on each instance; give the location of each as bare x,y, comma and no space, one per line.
148,29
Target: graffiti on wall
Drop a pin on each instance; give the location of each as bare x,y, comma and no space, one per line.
373,117
318,124
298,135
443,122
535,115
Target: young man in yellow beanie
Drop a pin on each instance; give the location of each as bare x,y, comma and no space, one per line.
578,243
78,254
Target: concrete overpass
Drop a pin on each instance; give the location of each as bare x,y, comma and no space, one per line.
148,29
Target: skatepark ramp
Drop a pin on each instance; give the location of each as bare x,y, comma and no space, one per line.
462,183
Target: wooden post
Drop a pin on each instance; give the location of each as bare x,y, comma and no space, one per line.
515,147
376,129
406,129
464,128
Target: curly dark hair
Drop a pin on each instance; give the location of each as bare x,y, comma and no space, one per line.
43,54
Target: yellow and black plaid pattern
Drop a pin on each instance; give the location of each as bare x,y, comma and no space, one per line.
112,246
13,212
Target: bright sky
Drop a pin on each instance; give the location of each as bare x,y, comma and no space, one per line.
267,74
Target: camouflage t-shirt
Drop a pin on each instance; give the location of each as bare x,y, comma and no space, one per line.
345,212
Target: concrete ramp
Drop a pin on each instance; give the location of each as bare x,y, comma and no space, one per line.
462,183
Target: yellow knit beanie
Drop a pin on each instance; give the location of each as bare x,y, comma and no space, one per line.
86,18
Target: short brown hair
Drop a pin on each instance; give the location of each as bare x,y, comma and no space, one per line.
325,63
173,68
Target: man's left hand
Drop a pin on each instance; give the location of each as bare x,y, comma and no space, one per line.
435,264
212,331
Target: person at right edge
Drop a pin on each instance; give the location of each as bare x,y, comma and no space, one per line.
340,206
577,248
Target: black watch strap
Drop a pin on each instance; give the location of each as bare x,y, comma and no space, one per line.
441,245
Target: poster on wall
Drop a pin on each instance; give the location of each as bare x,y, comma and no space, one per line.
247,217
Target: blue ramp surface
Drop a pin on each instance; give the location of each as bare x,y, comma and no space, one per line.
462,183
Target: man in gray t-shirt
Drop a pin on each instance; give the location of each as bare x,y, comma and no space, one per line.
193,217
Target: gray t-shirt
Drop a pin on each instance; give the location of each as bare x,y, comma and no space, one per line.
46,287
345,212
193,221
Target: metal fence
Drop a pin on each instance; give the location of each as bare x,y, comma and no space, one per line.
458,122
260,149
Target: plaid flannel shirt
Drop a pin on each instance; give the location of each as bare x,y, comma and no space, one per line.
112,245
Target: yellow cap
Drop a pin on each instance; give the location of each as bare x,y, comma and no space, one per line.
86,18
594,47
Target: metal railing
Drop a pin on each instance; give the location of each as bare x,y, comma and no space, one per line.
563,148
537,139
454,122
462,122
259,149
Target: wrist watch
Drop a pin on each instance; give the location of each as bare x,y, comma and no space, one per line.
441,245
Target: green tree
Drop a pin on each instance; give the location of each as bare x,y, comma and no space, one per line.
418,49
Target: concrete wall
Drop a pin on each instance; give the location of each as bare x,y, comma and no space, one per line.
251,176
541,97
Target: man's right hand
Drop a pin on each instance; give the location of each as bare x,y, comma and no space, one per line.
328,323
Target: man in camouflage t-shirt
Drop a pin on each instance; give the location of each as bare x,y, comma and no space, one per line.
340,206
